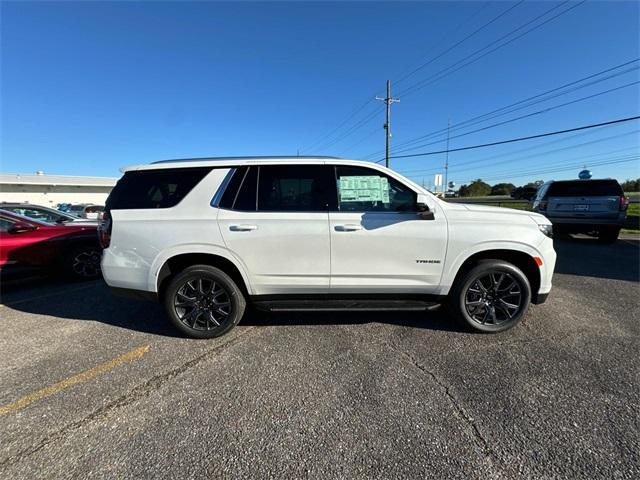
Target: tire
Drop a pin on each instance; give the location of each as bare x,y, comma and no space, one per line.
490,311
203,302
83,263
608,235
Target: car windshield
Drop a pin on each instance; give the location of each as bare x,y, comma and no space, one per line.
18,217
39,213
585,188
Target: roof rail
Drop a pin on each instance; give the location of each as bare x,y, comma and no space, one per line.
262,157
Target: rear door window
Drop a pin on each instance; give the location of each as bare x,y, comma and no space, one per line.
246,198
295,188
585,188
163,188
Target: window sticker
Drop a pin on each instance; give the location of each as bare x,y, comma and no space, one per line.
364,189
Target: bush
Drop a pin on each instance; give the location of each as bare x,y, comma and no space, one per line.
502,189
477,188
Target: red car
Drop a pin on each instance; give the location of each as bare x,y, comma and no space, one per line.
27,244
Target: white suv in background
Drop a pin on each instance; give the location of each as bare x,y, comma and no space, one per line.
206,236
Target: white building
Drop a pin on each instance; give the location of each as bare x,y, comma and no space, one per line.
50,190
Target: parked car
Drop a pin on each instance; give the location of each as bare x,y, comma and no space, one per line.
45,214
207,236
524,193
597,207
27,245
89,211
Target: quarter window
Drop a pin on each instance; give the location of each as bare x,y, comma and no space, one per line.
162,188
295,188
5,224
365,190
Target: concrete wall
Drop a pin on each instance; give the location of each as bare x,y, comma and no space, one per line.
50,196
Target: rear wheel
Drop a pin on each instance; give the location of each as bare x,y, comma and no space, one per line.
608,235
491,297
83,263
204,302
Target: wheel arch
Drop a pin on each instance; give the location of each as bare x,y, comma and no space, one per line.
521,259
179,261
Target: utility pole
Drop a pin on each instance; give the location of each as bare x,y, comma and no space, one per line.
446,160
388,100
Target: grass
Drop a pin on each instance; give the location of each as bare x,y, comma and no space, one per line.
632,224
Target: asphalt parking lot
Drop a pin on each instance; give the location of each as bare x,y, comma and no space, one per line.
95,386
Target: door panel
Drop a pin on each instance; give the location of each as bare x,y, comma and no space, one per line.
280,230
283,252
390,252
379,243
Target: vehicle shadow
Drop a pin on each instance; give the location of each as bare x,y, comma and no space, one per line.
94,302
436,320
584,256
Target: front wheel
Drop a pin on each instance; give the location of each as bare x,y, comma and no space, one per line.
491,297
204,302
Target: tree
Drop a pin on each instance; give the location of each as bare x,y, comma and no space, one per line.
535,184
477,188
631,185
502,189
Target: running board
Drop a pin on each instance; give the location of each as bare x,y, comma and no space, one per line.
343,305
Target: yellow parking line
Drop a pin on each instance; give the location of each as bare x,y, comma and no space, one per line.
74,380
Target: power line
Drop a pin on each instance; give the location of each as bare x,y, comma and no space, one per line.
511,159
538,112
425,82
318,143
519,139
581,157
518,173
420,67
369,135
353,128
353,114
527,101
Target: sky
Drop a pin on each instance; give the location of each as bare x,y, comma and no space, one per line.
89,87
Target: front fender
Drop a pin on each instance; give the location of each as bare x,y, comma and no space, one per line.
454,262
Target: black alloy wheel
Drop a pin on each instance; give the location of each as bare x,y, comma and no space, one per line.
493,296
204,302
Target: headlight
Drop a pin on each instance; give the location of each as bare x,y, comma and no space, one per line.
547,230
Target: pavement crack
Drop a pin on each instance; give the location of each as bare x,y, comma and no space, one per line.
133,395
455,402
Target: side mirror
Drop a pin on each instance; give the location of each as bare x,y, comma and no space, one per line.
421,203
21,227
423,208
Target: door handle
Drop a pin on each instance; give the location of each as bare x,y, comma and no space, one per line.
242,228
348,227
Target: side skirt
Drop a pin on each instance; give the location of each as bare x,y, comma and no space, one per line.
308,303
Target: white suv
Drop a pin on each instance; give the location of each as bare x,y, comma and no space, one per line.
206,236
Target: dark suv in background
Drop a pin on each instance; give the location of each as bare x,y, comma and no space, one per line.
596,207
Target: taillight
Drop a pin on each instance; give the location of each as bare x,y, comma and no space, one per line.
104,230
624,203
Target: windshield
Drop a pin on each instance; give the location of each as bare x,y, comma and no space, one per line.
585,188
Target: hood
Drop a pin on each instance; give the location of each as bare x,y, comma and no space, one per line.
536,217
